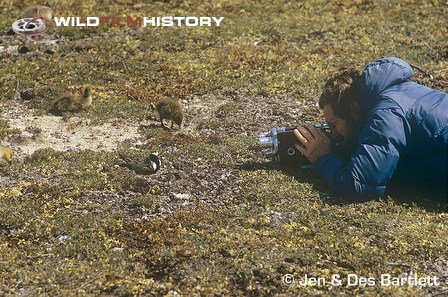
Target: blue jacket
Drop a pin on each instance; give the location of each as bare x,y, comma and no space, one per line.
405,126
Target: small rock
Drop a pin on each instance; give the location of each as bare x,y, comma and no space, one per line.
184,253
63,238
50,52
23,50
182,196
10,32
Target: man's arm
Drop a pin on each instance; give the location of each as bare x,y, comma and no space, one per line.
365,175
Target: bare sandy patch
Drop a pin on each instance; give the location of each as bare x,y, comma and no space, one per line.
70,133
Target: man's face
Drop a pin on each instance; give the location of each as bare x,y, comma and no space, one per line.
339,127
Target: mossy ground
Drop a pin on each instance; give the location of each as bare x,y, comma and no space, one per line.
217,219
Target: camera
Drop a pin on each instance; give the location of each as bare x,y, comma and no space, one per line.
279,143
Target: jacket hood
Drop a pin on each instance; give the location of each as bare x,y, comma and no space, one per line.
380,75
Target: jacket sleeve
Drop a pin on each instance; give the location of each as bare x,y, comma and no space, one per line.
364,176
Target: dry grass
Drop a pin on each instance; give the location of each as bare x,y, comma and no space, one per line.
217,219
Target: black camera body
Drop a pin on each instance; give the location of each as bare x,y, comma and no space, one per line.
279,144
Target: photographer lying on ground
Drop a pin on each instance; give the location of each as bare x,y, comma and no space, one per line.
397,128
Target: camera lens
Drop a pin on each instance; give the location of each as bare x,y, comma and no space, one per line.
266,141
269,141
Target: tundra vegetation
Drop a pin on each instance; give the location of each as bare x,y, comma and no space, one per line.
217,218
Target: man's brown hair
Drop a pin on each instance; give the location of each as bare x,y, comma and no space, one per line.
340,91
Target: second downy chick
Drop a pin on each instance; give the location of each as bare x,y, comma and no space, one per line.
43,12
170,109
72,102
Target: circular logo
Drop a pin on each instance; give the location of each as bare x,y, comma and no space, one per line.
29,26
36,25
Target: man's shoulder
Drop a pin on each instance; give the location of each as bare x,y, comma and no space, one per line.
385,104
410,97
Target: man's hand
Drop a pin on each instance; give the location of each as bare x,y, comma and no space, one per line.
314,142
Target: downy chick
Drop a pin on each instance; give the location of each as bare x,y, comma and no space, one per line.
6,153
170,109
72,102
43,12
